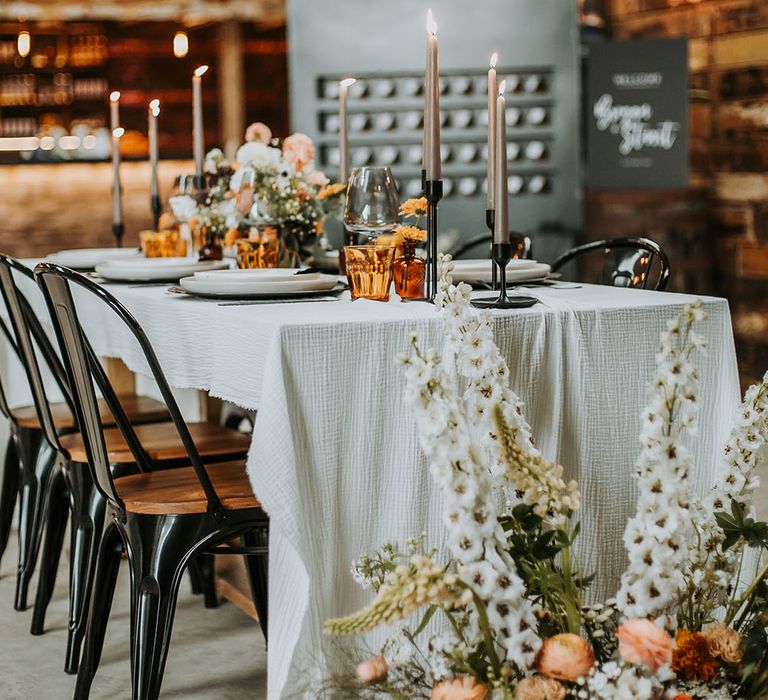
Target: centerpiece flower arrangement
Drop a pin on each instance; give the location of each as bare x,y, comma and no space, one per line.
273,184
688,620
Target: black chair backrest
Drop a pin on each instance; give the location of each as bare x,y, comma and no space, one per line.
28,333
626,262
483,242
82,367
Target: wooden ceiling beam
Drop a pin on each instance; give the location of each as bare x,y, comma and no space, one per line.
188,12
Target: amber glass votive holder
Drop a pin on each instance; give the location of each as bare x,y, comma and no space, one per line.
162,244
260,250
369,271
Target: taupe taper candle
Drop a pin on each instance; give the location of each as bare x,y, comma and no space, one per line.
114,110
198,135
432,100
154,111
117,195
501,220
492,95
344,86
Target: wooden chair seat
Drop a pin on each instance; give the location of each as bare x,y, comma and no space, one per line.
178,491
162,442
139,409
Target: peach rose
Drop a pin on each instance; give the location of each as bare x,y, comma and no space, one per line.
565,657
299,150
643,642
258,132
724,643
461,688
539,688
373,670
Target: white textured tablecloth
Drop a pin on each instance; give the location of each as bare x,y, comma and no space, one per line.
335,458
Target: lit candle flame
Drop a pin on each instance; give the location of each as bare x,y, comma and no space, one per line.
494,59
114,96
431,24
23,44
117,133
502,87
180,44
199,71
154,106
347,82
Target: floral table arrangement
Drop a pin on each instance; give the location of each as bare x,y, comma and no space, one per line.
273,184
690,619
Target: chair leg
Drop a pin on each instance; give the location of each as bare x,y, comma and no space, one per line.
35,482
205,564
157,561
257,567
104,580
9,491
193,569
58,510
88,513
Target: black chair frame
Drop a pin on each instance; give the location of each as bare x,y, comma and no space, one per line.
53,486
158,546
645,245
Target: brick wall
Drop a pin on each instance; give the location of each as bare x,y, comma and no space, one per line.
717,231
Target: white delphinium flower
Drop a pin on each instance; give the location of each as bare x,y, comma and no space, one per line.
712,569
657,537
214,160
469,337
476,539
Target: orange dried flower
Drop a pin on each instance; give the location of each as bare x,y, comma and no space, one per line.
414,207
410,233
682,696
332,190
691,657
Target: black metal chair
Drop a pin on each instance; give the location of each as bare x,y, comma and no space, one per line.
64,473
483,243
623,262
161,518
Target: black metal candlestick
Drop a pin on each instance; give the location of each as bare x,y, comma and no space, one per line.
433,189
157,209
198,182
502,254
117,231
490,220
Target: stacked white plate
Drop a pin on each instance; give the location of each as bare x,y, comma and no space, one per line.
479,270
142,269
258,284
88,258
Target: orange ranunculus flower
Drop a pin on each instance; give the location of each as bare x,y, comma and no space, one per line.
462,688
565,657
644,642
682,696
373,670
691,657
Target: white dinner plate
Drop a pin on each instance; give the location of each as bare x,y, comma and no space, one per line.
88,258
212,285
517,271
155,269
256,275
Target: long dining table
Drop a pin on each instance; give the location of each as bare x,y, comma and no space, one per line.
335,458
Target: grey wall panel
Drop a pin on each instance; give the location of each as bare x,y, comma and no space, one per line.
383,45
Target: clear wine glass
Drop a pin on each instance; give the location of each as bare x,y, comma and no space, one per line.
372,202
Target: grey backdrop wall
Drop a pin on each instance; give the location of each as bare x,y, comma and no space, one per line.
382,44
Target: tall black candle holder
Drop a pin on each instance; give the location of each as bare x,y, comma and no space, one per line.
157,209
117,231
433,190
502,253
490,221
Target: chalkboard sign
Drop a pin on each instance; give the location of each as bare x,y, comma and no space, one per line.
637,114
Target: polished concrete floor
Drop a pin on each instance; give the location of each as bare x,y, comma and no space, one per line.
215,654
